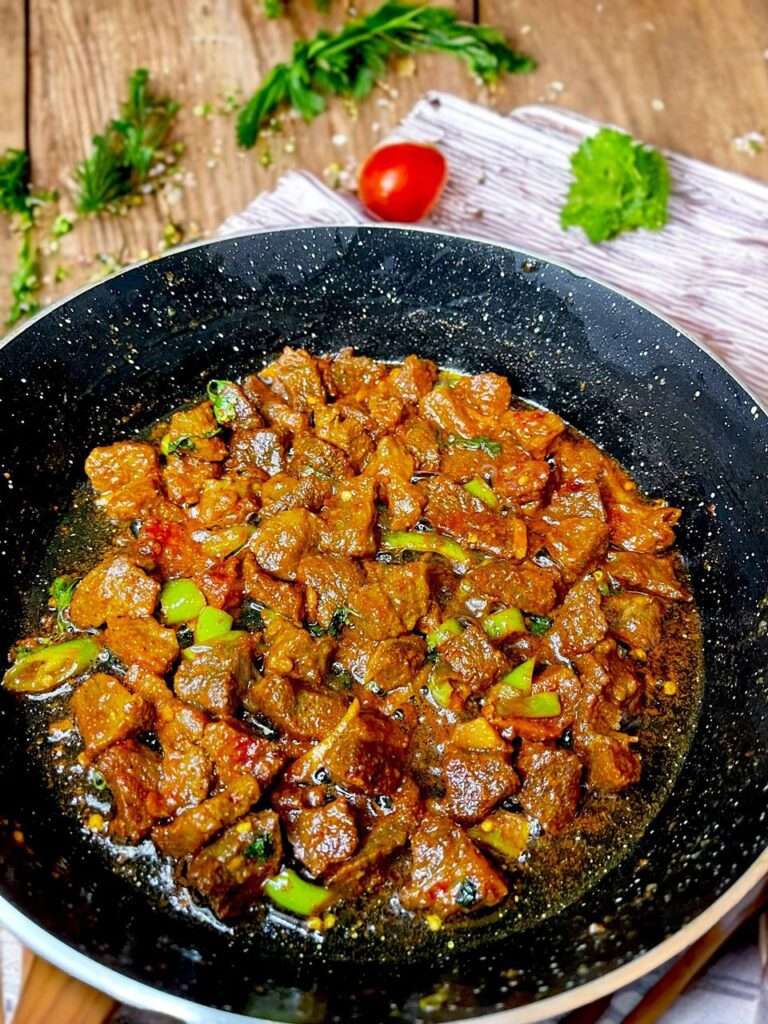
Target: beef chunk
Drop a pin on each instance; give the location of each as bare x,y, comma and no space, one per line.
345,373
576,543
535,429
551,785
329,581
273,408
125,477
114,588
284,492
295,377
473,658
183,479
406,589
413,378
527,586
313,457
395,662
612,764
195,826
291,651
195,431
517,477
450,414
449,875
230,871
451,509
642,526
650,573
635,619
105,712
579,622
348,521
475,781
215,677
132,772
300,712
186,770
322,837
420,439
487,394
236,752
142,642
281,541
223,502
285,598
347,427
256,450
392,466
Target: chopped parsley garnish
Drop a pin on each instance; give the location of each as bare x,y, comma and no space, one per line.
261,848
539,624
351,61
466,894
482,444
618,185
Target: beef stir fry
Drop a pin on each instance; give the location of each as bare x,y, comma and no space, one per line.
360,626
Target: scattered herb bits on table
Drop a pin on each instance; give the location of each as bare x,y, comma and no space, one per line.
363,632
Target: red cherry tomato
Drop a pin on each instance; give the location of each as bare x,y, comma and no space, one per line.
402,181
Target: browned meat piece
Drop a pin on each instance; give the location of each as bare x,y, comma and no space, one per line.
612,764
105,712
142,642
450,509
282,540
579,461
393,602
347,427
183,479
236,752
389,832
295,377
193,827
230,871
132,772
329,581
527,586
195,432
185,771
635,619
450,414
125,477
374,613
285,598
385,408
348,521
311,456
580,499
576,543
322,837
274,410
300,712
291,651
392,466
184,717
221,583
475,781
579,622
115,587
551,785
535,429
345,373
413,379
224,502
487,394
517,477
473,658
461,464
449,875
258,450
215,677
420,439
642,526
651,573
395,662
284,491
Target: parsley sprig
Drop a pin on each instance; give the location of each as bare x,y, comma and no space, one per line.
25,280
14,182
122,158
349,62
618,185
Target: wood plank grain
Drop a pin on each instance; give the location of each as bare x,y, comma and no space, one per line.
687,75
52,996
12,119
198,52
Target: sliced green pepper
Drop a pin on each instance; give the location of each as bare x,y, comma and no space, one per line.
503,623
481,444
181,600
212,623
440,689
520,678
503,832
405,540
48,667
290,892
479,489
449,628
537,705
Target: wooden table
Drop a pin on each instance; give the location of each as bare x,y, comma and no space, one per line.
686,74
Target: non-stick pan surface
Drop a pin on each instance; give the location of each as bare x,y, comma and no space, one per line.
106,363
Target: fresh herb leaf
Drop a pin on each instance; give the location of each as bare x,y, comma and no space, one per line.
61,226
349,62
539,624
14,181
25,281
618,185
482,444
261,848
250,617
315,629
466,894
338,620
222,399
122,157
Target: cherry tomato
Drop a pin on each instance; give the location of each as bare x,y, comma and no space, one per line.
402,181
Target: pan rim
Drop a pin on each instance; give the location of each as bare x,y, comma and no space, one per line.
127,989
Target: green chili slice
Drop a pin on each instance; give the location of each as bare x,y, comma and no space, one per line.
47,667
405,540
479,489
520,678
504,623
180,601
290,892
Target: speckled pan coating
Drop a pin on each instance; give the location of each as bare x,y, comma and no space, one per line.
117,356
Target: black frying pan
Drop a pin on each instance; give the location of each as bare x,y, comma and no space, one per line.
107,362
